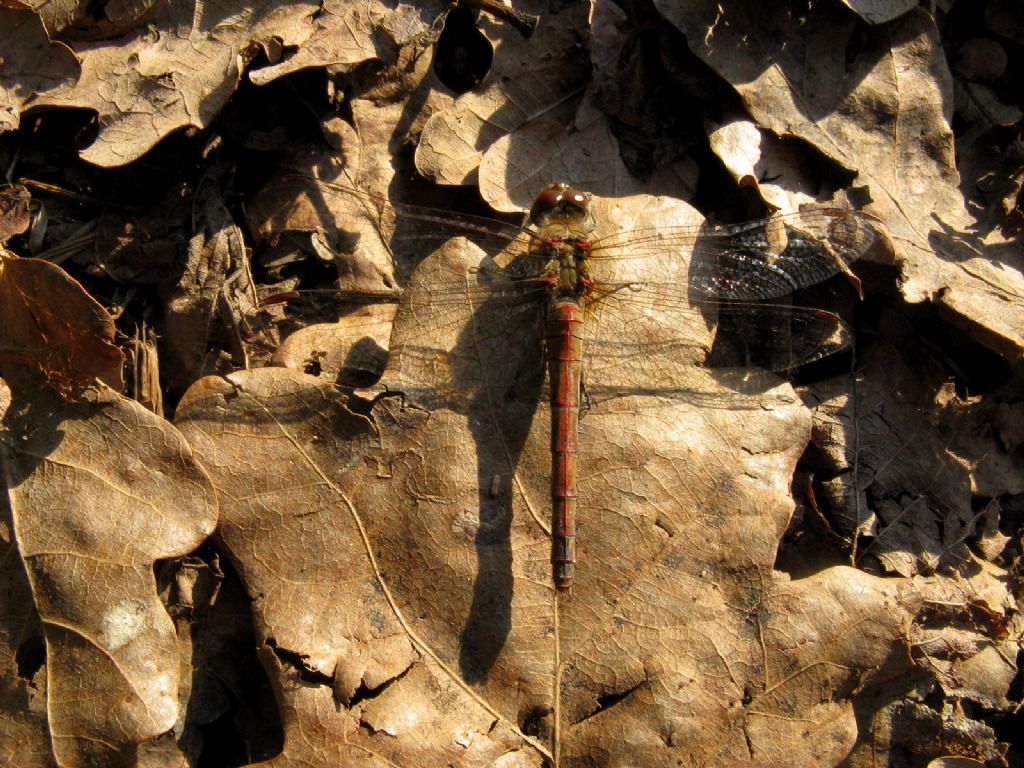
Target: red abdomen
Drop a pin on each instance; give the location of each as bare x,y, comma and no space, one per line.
564,343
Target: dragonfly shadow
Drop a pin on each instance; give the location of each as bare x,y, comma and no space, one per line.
35,430
501,350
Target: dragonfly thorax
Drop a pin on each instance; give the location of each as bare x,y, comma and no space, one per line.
563,221
567,270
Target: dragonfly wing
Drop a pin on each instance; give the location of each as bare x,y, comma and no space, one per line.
354,218
642,338
462,333
756,260
647,338
776,337
776,256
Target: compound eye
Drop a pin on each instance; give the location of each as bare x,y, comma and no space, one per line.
576,199
550,197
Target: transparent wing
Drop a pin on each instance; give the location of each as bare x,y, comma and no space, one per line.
648,338
403,226
755,260
466,327
762,259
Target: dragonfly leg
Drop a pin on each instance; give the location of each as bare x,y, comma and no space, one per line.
586,403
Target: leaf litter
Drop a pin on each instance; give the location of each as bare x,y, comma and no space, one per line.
396,548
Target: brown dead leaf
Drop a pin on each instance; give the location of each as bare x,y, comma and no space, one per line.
97,492
51,331
553,131
905,460
23,735
15,211
886,114
402,546
342,33
879,11
532,79
356,345
760,160
295,219
543,151
58,16
179,69
321,612
422,717
215,292
33,65
948,735
955,762
396,550
78,20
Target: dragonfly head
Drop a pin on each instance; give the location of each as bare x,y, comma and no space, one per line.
560,203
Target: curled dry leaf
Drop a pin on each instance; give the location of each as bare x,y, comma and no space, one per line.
401,545
880,11
180,68
97,492
340,34
955,762
33,64
756,159
531,79
883,111
15,211
51,331
293,219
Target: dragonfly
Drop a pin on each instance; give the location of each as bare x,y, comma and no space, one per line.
550,282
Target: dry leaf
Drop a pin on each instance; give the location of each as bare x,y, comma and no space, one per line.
15,212
24,739
883,113
900,449
519,163
76,19
98,491
402,546
531,79
292,216
343,33
356,344
759,160
214,294
51,331
180,68
395,542
33,65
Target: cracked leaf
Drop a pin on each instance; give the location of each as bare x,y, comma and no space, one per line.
33,64
883,111
424,516
181,67
88,529
51,331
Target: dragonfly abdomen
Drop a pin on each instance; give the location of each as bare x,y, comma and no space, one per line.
564,343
